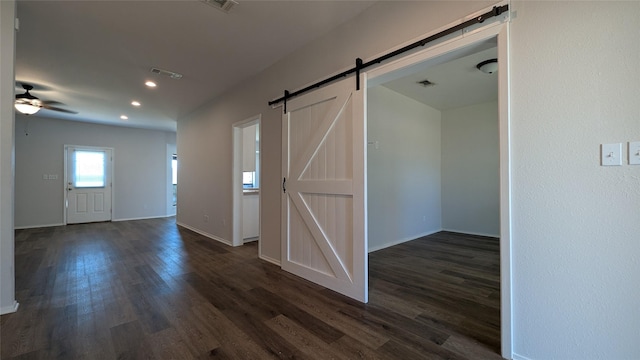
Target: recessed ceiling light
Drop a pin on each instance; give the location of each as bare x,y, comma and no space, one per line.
150,84
124,117
135,103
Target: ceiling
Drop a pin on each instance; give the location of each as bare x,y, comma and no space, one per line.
457,82
94,56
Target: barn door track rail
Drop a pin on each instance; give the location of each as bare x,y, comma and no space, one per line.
360,65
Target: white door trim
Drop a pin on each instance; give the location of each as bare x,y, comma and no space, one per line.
66,175
500,32
236,179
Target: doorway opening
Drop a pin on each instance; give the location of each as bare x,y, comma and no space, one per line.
438,173
171,193
174,181
246,181
89,186
310,247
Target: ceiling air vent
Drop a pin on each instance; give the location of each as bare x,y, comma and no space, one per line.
168,73
224,5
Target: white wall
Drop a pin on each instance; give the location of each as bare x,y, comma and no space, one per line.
574,224
250,212
140,161
470,170
7,85
404,170
249,148
576,228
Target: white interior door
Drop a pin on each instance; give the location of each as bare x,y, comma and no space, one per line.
324,204
88,190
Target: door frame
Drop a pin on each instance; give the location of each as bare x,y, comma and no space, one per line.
498,30
236,179
66,177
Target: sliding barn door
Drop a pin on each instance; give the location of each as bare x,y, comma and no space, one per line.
324,187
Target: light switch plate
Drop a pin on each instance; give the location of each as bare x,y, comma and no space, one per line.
611,154
634,153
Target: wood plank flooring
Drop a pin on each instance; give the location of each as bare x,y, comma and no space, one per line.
151,290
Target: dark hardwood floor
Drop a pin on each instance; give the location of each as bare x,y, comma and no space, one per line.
150,290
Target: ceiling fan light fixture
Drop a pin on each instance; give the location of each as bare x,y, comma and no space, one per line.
26,108
488,66
28,104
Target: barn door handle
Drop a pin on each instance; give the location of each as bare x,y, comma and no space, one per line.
284,187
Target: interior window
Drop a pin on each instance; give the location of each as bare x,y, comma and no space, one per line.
89,169
248,179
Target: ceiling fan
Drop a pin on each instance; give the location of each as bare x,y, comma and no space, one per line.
28,104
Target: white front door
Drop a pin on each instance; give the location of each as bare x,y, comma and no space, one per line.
88,190
324,187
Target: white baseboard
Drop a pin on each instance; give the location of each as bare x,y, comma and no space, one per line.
519,357
251,239
142,218
114,220
9,309
400,241
36,226
269,259
204,233
471,233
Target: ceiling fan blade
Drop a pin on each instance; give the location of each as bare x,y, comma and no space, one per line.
53,108
51,102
